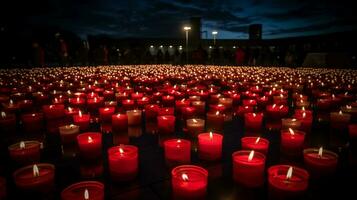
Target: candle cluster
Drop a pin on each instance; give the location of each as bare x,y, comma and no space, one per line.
197,101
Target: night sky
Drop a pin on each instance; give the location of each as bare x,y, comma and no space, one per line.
165,18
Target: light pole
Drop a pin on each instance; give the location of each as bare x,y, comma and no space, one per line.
214,33
187,28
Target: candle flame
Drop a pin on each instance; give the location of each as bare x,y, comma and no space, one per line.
165,118
86,194
291,131
3,114
35,170
257,140
90,140
95,99
348,107
211,135
251,155
78,99
289,174
254,115
303,114
121,151
51,106
106,109
184,177
340,113
22,145
280,107
194,121
80,113
69,109
320,151
293,119
217,113
71,125
183,100
274,105
11,102
303,108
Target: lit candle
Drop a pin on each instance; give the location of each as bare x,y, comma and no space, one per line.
25,152
82,120
151,111
166,111
189,182
248,168
339,120
320,162
195,126
255,143
68,133
253,121
53,111
200,106
227,102
210,146
134,117
90,145
292,142
168,101
38,177
119,122
292,123
32,122
123,162
7,122
166,124
87,190
287,182
128,104
177,152
277,111
215,121
105,114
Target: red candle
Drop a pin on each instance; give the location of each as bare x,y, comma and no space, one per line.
352,131
33,122
195,126
82,120
134,117
210,146
248,168
200,107
136,95
253,121
86,190
277,111
119,122
123,162
339,120
188,112
215,121
292,142
151,111
166,111
305,116
108,95
71,111
168,101
244,109
217,107
166,124
189,182
77,102
25,152
320,162
142,102
3,188
181,103
128,104
7,122
286,182
105,114
177,151
38,177
249,102
90,145
255,143
94,104
53,111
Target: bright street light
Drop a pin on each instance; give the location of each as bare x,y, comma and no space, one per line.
214,33
187,28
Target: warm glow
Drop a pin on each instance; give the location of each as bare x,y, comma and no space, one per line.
78,100
303,108
217,113
289,174
121,151
36,171
187,28
179,141
340,113
254,115
293,120
194,120
320,151
71,125
69,109
281,106
274,105
90,140
80,113
303,114
3,114
184,177
210,135
251,155
86,194
257,140
11,102
291,131
106,109
22,145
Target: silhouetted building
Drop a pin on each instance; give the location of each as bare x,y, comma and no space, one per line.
195,32
255,32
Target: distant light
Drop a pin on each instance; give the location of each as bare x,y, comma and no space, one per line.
117,49
187,28
234,47
221,47
170,46
180,46
210,47
161,46
152,46
214,32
